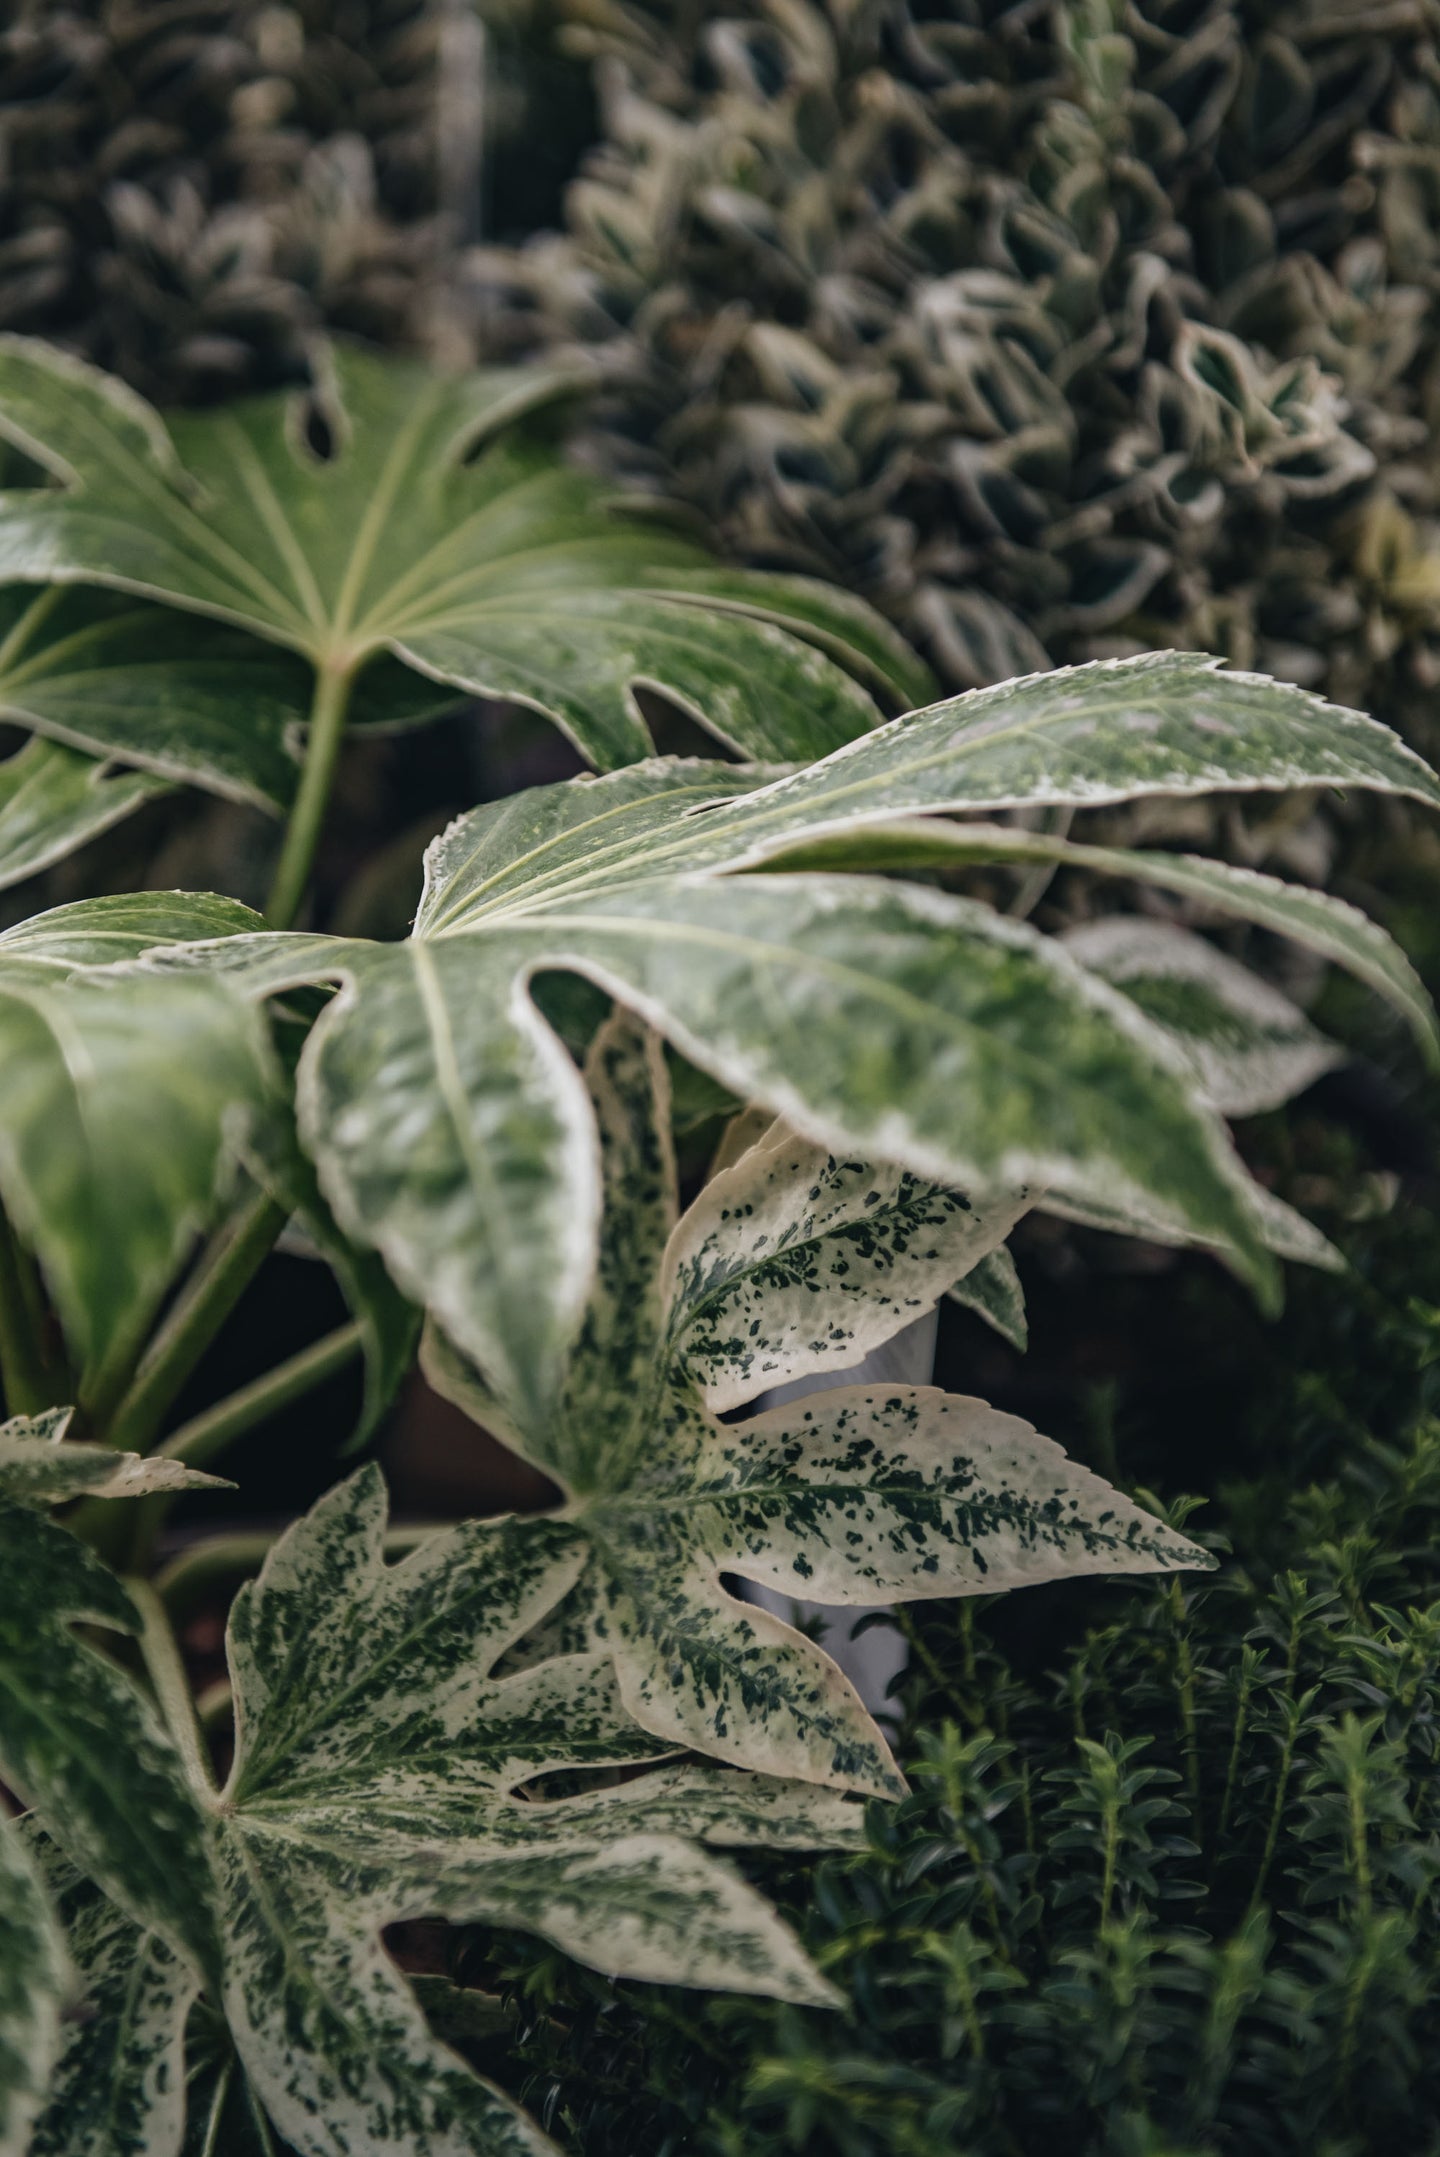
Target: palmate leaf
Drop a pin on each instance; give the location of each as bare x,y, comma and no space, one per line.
119,2088
430,534
881,1019
1250,1048
383,1772
35,1986
792,1262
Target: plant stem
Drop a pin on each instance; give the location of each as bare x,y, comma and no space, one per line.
226,1271
205,1435
208,1434
302,833
22,1364
172,1687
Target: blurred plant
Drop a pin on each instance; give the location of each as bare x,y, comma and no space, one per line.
1056,333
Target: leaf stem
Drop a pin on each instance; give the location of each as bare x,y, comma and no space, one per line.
208,1434
205,1435
302,831
197,1316
172,1688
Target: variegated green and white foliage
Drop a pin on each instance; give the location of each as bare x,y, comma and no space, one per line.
77,1740
794,1261
383,1770
885,1019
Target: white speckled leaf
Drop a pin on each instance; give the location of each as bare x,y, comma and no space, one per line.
35,1986
80,1743
1249,1047
942,1497
119,2090
793,1262
1287,1233
993,1291
384,1772
38,1468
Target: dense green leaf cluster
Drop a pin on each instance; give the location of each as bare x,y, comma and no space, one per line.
1169,1878
1109,326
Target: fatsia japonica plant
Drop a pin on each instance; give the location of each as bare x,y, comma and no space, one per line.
552,1722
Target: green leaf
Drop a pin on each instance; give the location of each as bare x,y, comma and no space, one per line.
35,1985
80,1743
38,1468
1316,919
120,2087
992,1290
381,1774
789,1263
113,1131
1249,1047
110,931
181,699
483,564
53,799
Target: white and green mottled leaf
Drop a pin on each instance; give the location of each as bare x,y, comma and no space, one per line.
117,929
453,1134
992,1290
177,698
1316,919
37,1467
53,799
36,1983
486,564
119,2090
113,1148
1249,1047
792,1262
80,1743
1287,1233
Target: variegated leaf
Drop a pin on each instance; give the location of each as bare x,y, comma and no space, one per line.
430,533
119,2090
37,1467
992,1290
81,1744
384,1771
53,799
1316,919
1250,1048
1287,1233
35,1987
790,1262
